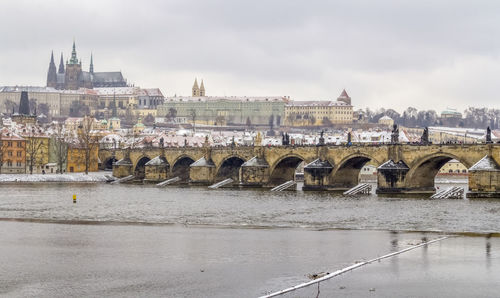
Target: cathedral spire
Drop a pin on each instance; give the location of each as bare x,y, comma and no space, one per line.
74,59
91,63
61,65
51,74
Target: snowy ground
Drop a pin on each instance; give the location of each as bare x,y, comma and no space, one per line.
70,177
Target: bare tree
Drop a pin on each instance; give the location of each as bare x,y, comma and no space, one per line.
87,141
34,145
192,113
172,113
60,143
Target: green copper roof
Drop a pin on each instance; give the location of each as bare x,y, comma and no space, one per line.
73,59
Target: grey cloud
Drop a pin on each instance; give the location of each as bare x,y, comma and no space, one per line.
383,52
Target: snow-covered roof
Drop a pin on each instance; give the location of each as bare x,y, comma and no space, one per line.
486,164
391,165
319,164
385,118
256,162
202,162
157,161
322,103
225,98
124,162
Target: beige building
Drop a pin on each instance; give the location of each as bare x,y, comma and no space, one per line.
453,167
309,113
386,121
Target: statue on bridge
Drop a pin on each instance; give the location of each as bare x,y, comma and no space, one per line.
321,139
424,139
258,139
395,134
488,136
285,139
349,139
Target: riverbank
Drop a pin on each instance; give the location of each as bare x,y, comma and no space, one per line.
66,177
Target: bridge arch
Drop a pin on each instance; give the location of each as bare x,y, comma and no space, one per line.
346,173
108,163
180,167
229,168
140,169
284,169
423,171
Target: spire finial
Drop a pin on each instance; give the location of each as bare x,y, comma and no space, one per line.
61,64
91,63
74,59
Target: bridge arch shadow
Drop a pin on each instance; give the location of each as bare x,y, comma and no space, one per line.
230,168
180,167
140,169
346,174
108,163
423,171
284,169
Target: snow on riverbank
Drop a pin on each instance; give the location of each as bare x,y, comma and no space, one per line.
72,177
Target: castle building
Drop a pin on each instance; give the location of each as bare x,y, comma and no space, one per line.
72,77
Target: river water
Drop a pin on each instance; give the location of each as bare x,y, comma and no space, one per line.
139,240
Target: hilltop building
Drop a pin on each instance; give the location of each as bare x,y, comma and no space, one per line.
321,112
198,91
72,77
222,110
451,118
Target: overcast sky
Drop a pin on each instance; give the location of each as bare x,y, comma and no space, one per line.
426,54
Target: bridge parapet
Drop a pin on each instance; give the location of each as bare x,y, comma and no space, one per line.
277,164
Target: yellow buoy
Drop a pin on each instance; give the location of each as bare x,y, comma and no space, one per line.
74,198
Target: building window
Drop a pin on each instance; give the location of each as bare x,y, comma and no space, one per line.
18,163
9,144
9,163
19,144
9,153
19,153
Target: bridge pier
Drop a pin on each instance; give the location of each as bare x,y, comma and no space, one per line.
123,168
316,175
484,179
391,177
202,172
255,172
156,170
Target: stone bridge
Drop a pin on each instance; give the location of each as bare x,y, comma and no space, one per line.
402,168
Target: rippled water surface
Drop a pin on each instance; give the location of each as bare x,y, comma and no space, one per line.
243,207
195,242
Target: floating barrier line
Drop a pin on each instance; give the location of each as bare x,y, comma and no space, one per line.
352,267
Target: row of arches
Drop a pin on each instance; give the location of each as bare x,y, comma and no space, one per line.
421,174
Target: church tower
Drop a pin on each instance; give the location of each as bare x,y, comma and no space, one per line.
91,69
344,97
61,65
52,75
196,89
202,89
73,74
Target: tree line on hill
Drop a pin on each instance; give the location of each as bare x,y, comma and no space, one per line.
411,117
